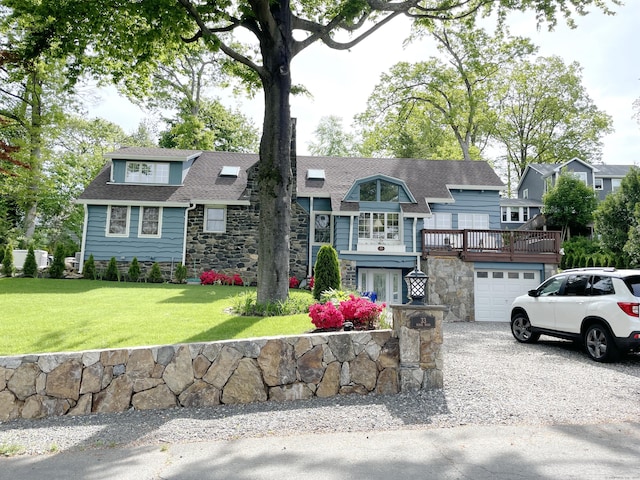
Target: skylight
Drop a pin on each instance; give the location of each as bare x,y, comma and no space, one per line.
315,174
228,171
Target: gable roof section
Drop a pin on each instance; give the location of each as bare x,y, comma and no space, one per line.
149,154
202,184
427,180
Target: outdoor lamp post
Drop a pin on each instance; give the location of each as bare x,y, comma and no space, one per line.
416,286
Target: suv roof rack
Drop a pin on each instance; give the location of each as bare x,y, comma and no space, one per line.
584,269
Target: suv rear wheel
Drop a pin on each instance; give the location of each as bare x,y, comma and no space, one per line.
599,344
521,329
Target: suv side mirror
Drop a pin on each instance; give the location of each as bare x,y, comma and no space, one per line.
533,293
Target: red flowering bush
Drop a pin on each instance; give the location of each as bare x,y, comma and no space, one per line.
361,311
325,315
210,277
311,282
293,282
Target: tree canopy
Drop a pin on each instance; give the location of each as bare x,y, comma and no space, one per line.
569,205
117,37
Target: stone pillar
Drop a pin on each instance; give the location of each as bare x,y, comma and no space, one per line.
419,331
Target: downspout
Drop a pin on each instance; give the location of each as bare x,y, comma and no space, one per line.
184,237
311,236
84,237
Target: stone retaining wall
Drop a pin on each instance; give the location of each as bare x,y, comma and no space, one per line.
200,374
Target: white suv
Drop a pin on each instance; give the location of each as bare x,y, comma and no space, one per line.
598,307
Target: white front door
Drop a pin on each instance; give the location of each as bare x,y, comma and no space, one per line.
386,283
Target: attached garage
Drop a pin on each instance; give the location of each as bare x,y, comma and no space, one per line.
495,290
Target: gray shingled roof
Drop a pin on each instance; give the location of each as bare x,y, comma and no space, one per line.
426,179
603,170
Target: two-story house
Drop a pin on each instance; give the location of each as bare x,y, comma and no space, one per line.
539,177
383,216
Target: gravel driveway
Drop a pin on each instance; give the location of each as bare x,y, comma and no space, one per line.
489,379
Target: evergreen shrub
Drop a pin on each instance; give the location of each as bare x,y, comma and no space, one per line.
112,274
7,261
155,274
326,271
89,268
57,267
30,268
134,270
180,273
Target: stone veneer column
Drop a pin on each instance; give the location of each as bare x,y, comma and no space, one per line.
419,331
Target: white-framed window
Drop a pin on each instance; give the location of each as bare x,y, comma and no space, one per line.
322,228
582,176
379,191
150,224
147,172
597,183
615,184
438,221
476,221
514,214
215,219
118,221
379,226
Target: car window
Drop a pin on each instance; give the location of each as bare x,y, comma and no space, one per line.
576,285
551,286
634,284
601,285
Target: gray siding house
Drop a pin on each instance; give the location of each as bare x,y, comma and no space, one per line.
539,177
383,216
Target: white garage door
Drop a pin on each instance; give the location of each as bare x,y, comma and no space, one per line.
495,290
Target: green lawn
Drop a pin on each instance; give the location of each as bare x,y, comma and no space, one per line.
46,315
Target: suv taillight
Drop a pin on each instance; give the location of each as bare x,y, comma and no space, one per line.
631,309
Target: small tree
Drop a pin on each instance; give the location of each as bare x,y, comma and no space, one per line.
7,261
57,267
112,274
89,268
155,275
326,271
569,205
134,270
30,267
180,273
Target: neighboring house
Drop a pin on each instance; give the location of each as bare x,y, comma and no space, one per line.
540,177
383,216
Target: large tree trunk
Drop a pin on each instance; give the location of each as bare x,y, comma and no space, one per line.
34,96
274,174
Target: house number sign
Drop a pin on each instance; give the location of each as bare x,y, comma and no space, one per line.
422,321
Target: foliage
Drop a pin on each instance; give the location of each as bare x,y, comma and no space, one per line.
297,303
616,215
360,310
331,140
180,273
569,205
89,268
545,114
125,41
211,277
335,296
112,273
133,274
30,267
452,93
578,248
57,267
155,274
293,282
326,271
7,261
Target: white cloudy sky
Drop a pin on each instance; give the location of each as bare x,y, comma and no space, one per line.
340,81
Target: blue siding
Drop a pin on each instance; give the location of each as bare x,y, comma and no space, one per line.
175,173
341,234
472,201
118,168
382,261
379,207
169,246
534,183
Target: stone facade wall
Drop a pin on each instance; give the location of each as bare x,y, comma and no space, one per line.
451,283
200,374
348,274
236,250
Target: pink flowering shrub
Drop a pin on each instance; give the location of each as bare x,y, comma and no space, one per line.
210,277
325,315
361,311
293,282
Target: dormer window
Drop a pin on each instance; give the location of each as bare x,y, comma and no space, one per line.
379,191
147,172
